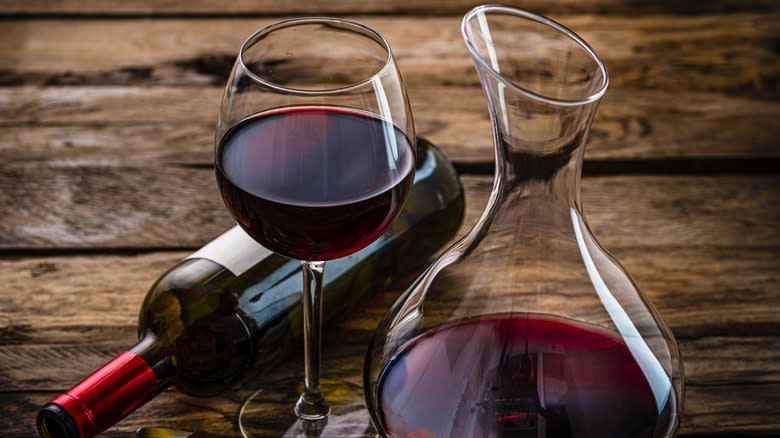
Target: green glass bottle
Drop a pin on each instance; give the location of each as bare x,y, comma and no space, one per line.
234,308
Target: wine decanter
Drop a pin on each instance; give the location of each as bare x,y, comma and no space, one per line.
527,327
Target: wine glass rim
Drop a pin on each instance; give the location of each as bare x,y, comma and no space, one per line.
365,30
467,36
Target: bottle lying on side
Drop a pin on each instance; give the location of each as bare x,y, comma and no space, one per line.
233,308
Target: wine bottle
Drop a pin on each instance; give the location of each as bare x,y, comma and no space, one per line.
233,308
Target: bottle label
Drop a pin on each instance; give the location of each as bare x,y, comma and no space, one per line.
235,250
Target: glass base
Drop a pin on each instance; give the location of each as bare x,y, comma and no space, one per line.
312,410
266,414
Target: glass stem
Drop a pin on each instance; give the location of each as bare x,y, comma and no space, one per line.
312,405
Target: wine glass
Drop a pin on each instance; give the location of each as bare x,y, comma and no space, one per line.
315,153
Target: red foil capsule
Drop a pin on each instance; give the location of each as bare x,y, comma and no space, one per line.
103,398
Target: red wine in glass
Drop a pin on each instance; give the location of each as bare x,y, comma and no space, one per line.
518,375
314,182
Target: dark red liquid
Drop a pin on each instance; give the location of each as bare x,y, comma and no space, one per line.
519,375
314,182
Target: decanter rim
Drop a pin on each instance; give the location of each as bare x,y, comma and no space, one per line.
468,38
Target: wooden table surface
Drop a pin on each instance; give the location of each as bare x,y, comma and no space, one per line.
107,112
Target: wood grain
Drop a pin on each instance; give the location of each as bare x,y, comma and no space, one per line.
717,410
710,360
76,292
83,309
113,207
723,410
457,7
115,126
65,315
107,113
733,53
80,311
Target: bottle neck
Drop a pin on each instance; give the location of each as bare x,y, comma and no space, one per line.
109,394
157,356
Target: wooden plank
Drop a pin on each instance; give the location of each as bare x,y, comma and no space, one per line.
713,410
723,410
270,7
165,207
77,292
63,316
66,126
75,209
732,53
710,360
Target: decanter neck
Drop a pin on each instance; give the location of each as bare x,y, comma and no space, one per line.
552,177
539,147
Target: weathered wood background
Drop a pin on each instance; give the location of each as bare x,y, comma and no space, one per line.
107,111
